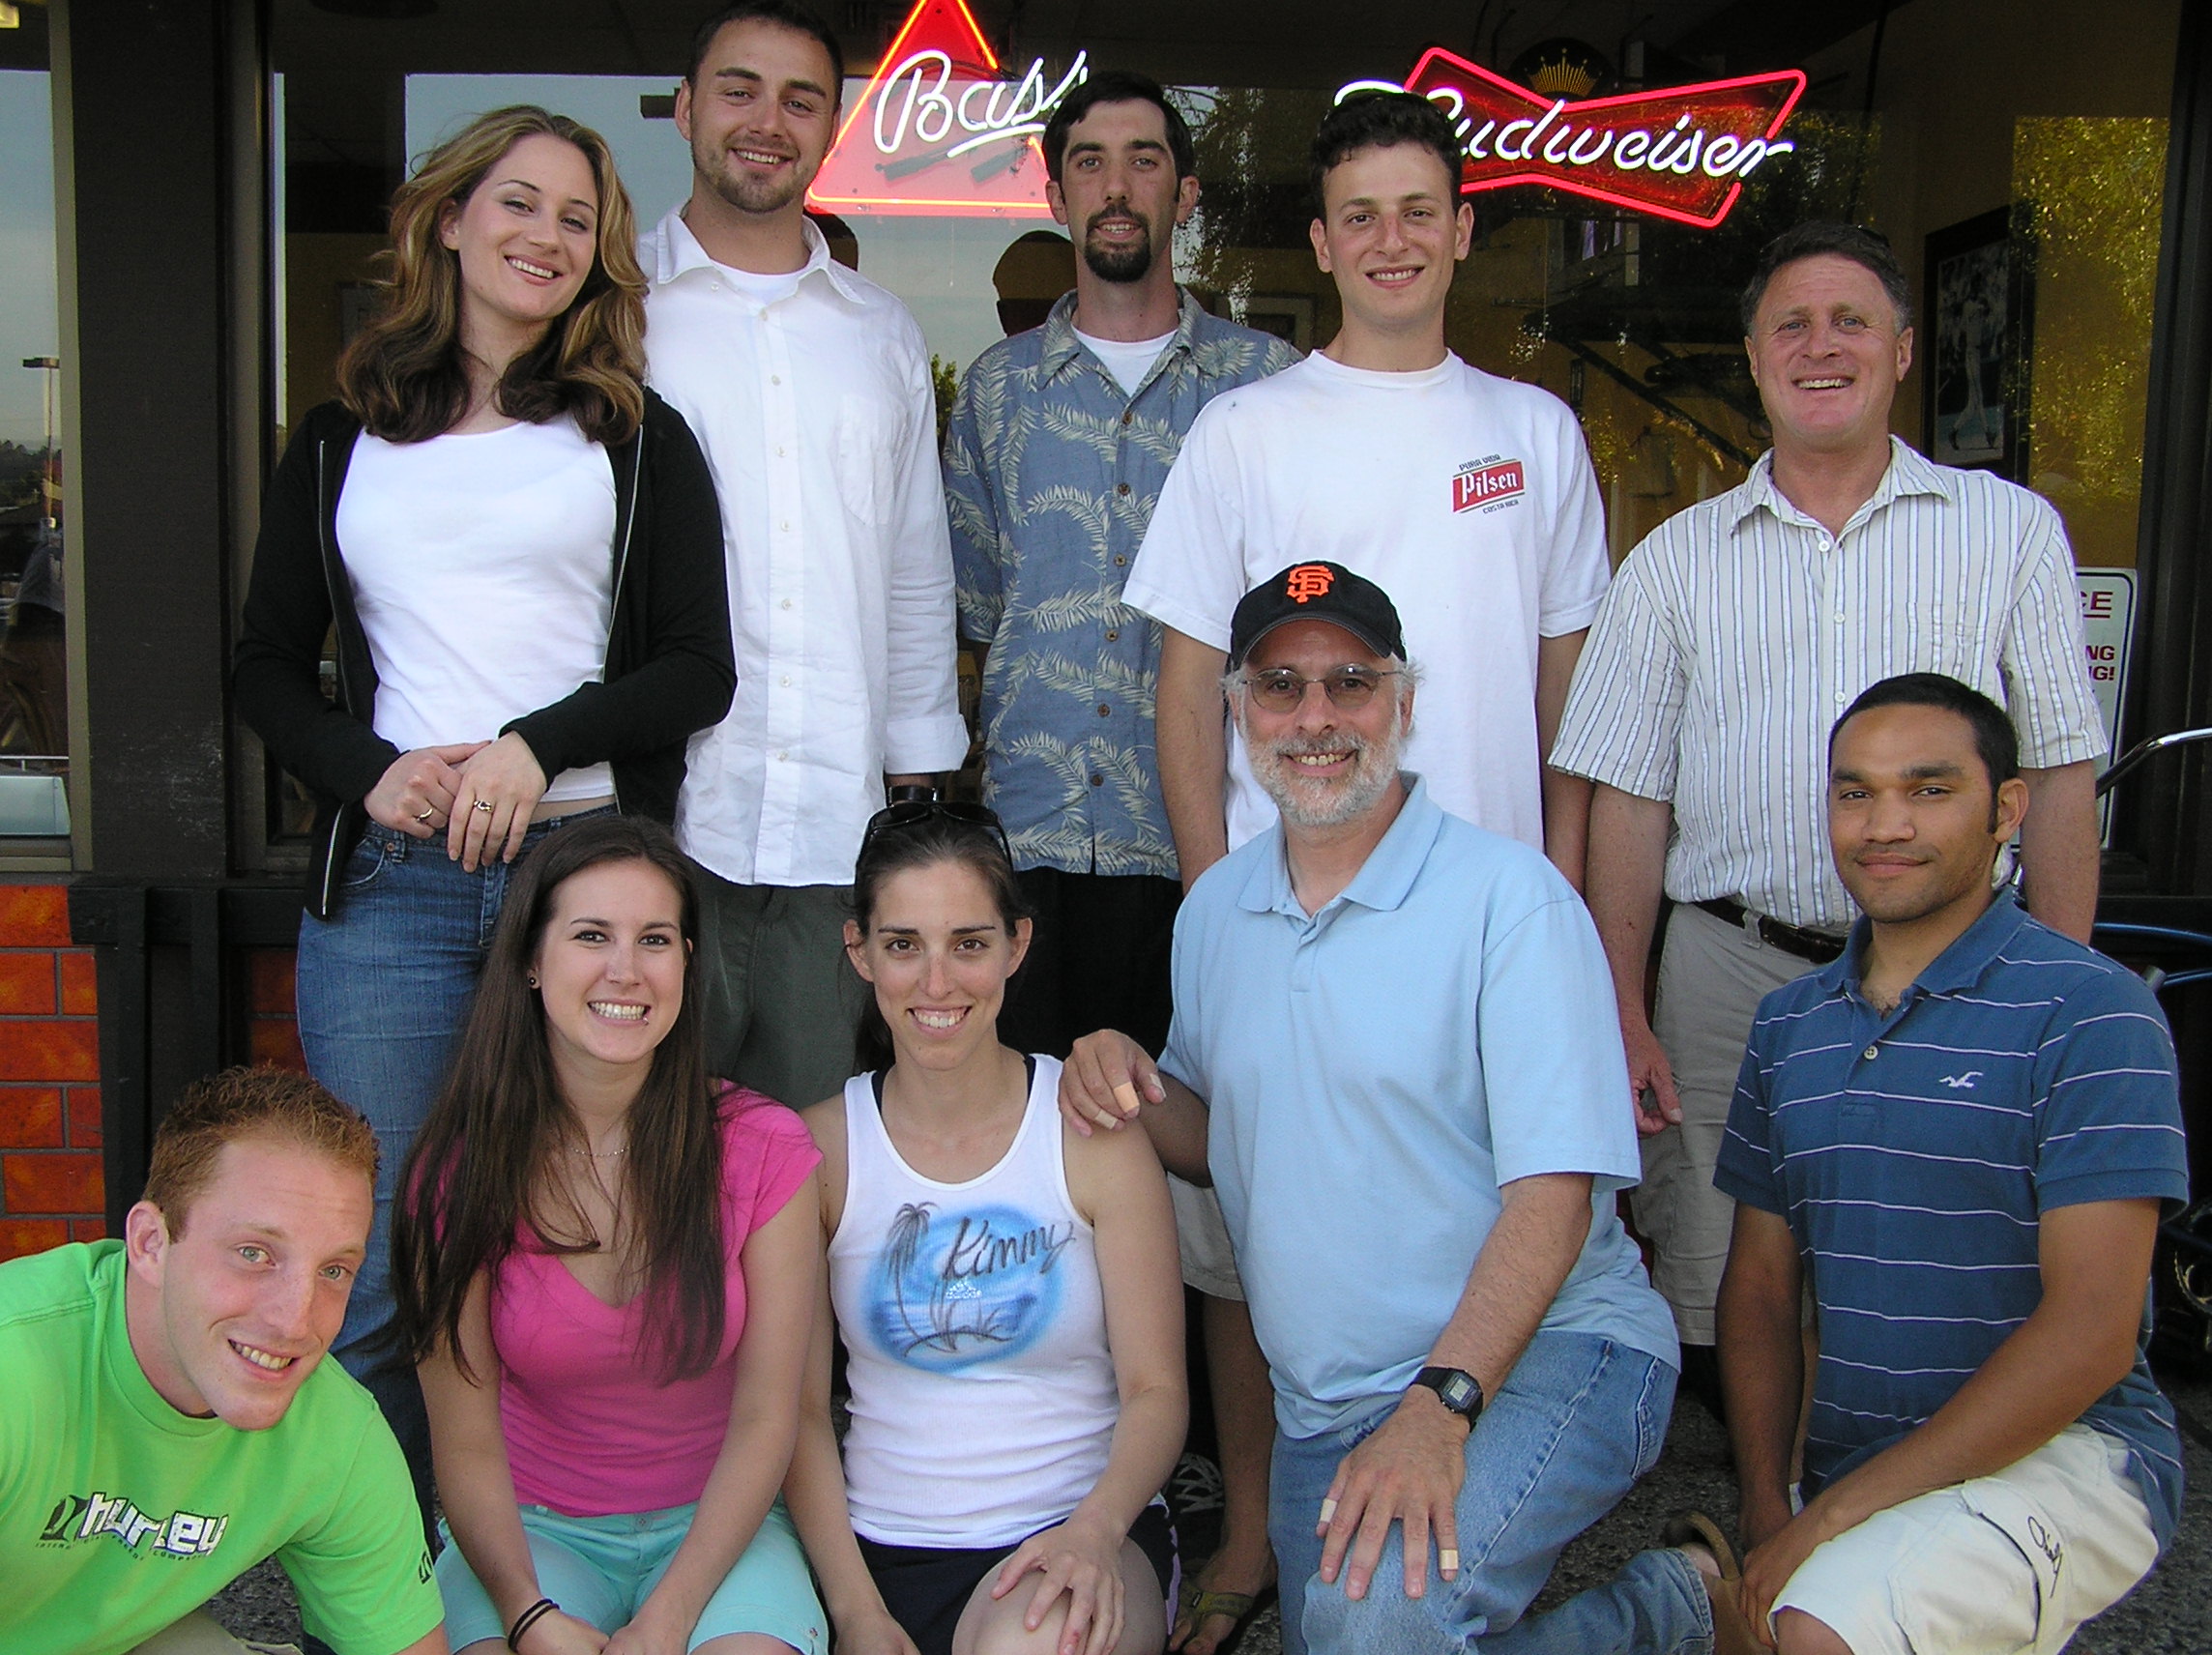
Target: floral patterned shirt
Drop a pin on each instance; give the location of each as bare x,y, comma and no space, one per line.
1050,473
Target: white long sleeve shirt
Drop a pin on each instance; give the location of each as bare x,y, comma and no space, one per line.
811,397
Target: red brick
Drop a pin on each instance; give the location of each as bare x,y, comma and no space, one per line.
27,983
34,1049
30,1117
56,1182
269,975
82,1112
275,1041
34,916
21,1237
81,990
88,1230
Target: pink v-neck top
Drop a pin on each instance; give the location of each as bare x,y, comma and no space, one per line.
592,1429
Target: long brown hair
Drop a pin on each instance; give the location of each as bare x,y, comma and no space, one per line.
480,1168
404,376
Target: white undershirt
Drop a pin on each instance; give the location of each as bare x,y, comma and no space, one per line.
484,571
1128,361
762,287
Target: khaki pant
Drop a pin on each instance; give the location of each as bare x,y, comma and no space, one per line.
1712,976
782,1003
198,1634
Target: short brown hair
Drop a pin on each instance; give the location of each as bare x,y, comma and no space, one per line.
248,1103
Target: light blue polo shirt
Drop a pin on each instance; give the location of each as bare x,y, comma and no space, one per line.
1376,1071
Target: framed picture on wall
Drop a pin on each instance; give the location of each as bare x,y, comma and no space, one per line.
1973,345
1286,315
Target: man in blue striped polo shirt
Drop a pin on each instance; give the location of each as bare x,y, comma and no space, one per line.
1964,1128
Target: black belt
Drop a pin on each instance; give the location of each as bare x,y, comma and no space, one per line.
1816,945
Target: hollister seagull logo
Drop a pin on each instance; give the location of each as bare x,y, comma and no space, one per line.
1479,484
1681,152
942,130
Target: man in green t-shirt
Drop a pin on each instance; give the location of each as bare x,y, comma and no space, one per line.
168,1418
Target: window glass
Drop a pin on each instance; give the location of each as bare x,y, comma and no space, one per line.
34,670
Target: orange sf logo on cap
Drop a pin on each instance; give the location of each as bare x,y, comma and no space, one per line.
1309,581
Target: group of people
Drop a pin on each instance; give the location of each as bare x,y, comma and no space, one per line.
645,573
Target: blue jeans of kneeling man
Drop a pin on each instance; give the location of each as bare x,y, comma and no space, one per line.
1580,1419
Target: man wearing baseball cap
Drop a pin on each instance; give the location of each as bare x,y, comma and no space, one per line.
1394,1056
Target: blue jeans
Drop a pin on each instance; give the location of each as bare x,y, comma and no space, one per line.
1578,1422
384,991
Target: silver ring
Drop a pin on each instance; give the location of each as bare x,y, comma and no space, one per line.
425,813
482,804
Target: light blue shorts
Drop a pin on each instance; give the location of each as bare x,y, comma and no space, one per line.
601,1569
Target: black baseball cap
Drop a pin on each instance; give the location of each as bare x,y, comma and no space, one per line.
1317,592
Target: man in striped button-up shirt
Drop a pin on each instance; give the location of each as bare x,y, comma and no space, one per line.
1730,641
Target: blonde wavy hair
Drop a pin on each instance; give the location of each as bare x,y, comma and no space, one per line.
404,376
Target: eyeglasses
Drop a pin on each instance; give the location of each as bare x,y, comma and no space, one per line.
1279,690
914,812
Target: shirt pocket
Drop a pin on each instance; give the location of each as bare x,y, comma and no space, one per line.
868,457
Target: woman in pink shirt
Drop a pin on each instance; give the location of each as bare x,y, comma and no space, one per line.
606,1265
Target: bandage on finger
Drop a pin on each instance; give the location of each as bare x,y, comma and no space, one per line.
1126,1095
1447,1560
1327,1511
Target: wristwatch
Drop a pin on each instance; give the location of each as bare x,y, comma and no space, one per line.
1456,1388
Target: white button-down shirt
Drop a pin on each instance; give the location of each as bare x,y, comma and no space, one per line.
1735,635
816,413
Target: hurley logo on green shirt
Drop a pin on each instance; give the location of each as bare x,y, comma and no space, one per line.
84,1516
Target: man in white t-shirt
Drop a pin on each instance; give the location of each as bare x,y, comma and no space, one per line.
1469,497
809,388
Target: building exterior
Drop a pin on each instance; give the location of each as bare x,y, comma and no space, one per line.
212,190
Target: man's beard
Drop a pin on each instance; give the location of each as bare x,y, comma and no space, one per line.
1125,263
1316,802
747,194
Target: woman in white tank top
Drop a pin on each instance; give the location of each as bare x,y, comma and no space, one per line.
1008,1297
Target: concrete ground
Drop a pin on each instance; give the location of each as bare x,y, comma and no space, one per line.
2171,1614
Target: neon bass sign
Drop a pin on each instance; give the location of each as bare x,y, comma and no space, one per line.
1682,153
942,130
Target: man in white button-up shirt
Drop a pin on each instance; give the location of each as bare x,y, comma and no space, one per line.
1730,641
808,388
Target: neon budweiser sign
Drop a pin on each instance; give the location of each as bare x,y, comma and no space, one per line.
1681,152
942,130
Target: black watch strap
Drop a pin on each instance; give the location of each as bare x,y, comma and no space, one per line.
1456,1388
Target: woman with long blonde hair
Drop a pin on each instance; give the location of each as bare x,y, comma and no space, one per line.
520,550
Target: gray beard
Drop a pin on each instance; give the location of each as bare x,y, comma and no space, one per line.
1377,767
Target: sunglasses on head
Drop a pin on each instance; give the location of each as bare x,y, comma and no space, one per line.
914,812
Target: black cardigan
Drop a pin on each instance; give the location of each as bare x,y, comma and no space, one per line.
669,667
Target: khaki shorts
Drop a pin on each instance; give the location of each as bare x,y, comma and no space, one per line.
199,1634
1207,1263
2010,1562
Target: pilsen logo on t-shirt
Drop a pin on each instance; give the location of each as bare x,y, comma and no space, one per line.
1486,482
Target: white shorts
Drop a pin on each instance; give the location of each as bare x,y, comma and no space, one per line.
2010,1562
1207,1263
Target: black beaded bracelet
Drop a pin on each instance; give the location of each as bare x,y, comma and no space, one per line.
528,1618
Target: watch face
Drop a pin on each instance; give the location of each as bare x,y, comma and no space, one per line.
1458,1392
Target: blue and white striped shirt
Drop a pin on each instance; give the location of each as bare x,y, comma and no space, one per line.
1740,629
1913,1153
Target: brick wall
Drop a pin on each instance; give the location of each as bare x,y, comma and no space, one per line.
52,1188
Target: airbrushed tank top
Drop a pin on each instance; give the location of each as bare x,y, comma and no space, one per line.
983,1395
